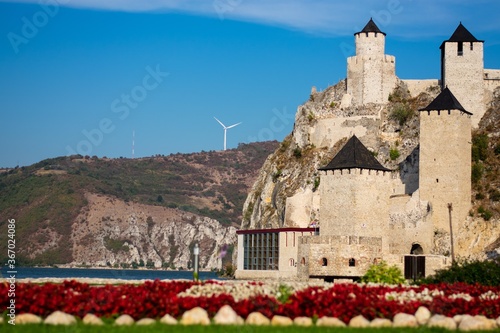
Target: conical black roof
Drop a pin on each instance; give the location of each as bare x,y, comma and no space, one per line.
354,155
445,101
461,34
371,27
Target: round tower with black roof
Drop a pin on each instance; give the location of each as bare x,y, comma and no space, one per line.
371,74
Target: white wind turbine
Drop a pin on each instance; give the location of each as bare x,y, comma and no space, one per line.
225,129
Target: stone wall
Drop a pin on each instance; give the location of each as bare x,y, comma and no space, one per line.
301,208
355,202
328,131
409,224
415,87
445,165
491,82
333,255
463,75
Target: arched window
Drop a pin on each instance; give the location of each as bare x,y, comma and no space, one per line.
303,261
416,249
324,262
352,262
291,262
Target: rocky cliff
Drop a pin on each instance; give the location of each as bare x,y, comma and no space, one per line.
286,191
111,232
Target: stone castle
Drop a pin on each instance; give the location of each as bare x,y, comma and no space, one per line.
368,212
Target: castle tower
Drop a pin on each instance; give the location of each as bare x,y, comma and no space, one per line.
371,75
445,159
462,70
354,193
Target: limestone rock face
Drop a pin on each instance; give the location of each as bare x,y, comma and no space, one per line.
60,318
110,231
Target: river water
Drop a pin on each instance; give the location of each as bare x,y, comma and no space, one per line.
124,274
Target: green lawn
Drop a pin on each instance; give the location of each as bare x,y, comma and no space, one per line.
204,329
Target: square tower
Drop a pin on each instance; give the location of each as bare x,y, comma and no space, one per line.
462,70
445,160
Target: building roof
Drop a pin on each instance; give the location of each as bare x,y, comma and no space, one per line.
354,155
371,27
461,34
445,101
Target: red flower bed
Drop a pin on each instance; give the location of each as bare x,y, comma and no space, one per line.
344,301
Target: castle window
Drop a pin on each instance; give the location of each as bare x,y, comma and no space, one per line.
437,180
471,46
460,49
324,262
261,251
352,262
291,262
303,261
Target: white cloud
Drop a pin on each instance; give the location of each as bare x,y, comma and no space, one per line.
404,18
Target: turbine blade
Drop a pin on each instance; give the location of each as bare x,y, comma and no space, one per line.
220,123
234,125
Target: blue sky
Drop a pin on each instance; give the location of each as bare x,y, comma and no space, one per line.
83,75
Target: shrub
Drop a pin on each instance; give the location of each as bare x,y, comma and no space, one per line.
401,113
284,293
486,273
383,273
297,152
494,195
394,154
479,147
476,172
484,213
316,183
